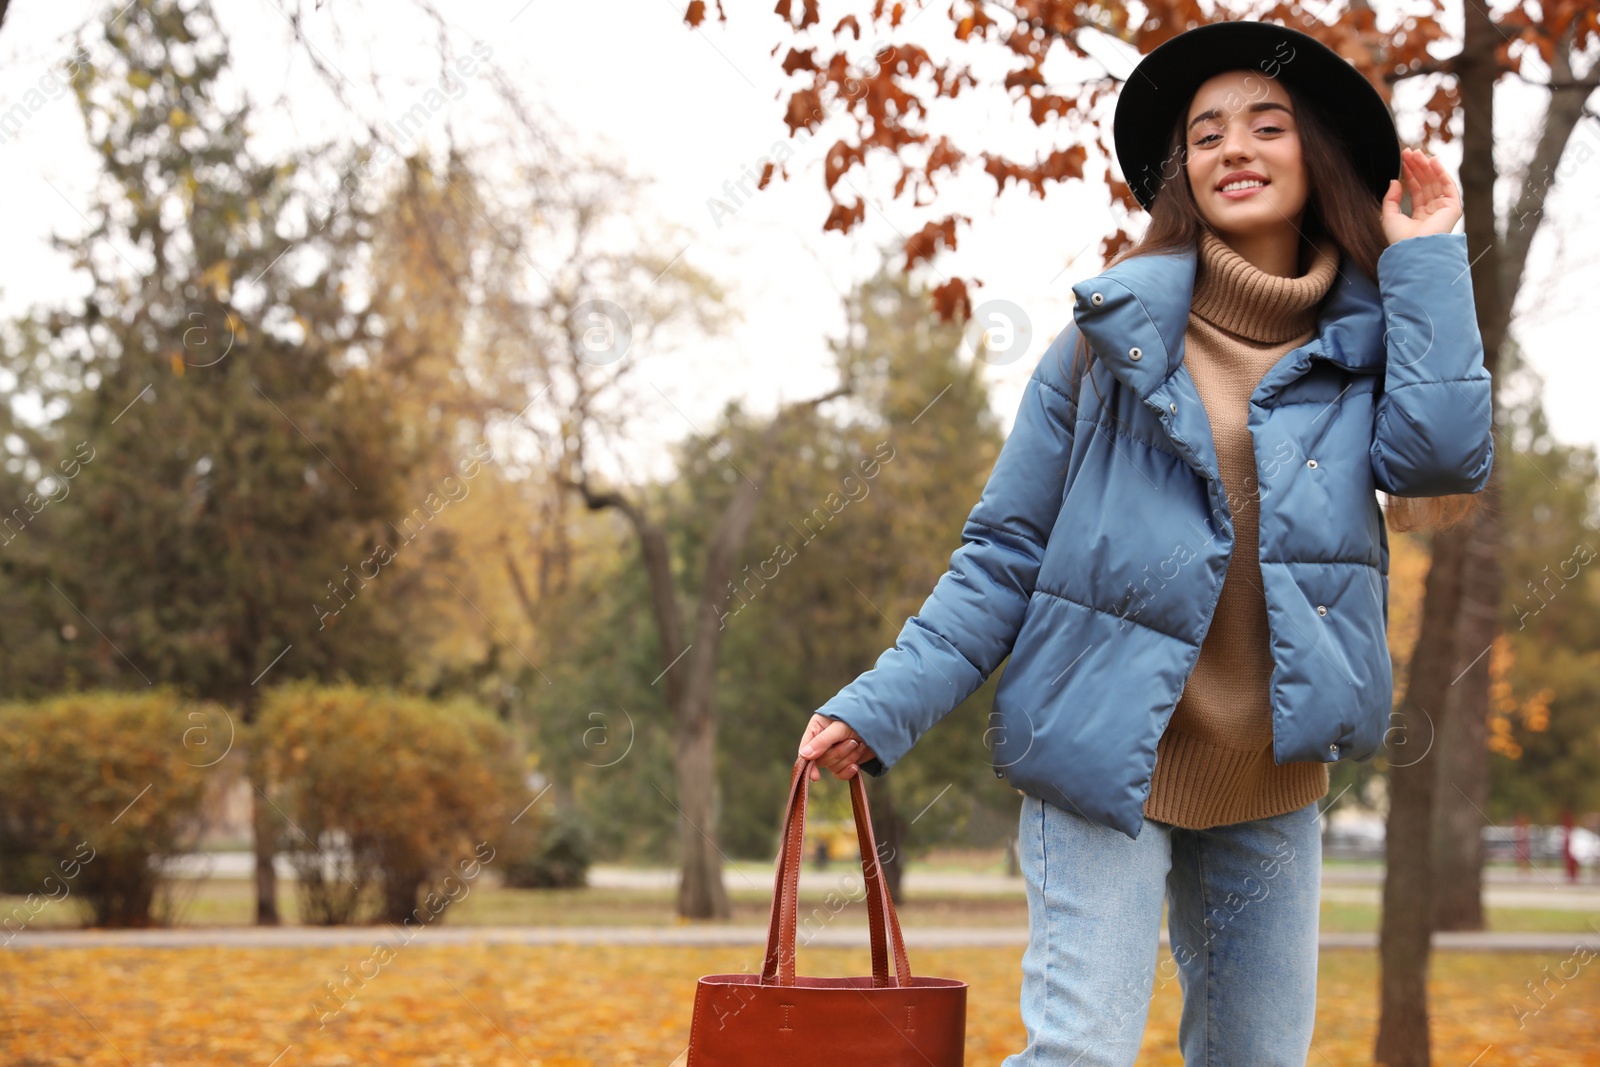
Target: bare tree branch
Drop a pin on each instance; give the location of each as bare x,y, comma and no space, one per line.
1568,103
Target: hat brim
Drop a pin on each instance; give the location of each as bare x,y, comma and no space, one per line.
1160,88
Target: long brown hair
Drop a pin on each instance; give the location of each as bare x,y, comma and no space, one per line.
1338,206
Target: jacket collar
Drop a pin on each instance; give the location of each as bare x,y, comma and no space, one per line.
1136,312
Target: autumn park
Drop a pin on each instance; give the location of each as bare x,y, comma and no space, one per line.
451,451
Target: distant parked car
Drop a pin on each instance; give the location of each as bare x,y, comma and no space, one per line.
1361,837
1545,843
1354,837
1500,843
1585,843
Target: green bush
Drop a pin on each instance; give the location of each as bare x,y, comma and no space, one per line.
383,793
95,785
553,853
22,869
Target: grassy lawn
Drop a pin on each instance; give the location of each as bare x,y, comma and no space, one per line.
1345,918
562,1006
231,902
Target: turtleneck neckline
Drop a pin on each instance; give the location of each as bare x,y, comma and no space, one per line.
1232,293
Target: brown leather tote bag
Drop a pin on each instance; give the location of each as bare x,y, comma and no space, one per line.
889,1018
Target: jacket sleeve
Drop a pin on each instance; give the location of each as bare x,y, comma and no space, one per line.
1432,434
970,621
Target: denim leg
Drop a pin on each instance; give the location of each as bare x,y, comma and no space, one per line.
1094,929
1242,919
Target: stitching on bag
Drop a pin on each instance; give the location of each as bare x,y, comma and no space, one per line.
894,945
793,848
694,1030
783,887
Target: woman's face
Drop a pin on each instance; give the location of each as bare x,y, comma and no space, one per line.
1244,163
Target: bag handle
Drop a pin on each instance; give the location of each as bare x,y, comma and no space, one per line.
778,968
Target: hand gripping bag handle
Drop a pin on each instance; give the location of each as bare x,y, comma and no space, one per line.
778,968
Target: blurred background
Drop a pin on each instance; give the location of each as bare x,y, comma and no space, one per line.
449,452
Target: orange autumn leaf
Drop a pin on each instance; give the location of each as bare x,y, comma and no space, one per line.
566,1005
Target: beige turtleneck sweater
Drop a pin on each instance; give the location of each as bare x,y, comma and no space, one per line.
1214,762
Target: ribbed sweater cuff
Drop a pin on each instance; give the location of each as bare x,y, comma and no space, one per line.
1197,784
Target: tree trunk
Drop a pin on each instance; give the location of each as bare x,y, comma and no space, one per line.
1459,795
1462,793
701,894
691,685
1408,893
265,825
401,890
1407,923
888,827
1499,265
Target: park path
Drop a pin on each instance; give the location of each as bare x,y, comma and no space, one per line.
1348,885
1503,889
689,934
1508,889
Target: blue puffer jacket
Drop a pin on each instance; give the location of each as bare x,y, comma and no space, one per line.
1096,554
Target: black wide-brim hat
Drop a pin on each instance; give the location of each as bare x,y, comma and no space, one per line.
1158,92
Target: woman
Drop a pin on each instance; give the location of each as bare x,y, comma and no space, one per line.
1182,550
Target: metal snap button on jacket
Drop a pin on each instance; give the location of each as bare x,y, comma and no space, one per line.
1322,609
1134,353
1096,299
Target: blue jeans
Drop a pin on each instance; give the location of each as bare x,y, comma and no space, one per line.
1242,922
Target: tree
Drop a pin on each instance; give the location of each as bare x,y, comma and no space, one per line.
582,329
1469,591
243,461
1537,665
851,535
691,690
1543,727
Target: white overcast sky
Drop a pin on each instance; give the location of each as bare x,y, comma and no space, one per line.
691,110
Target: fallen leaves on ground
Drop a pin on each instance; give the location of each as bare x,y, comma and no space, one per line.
569,1005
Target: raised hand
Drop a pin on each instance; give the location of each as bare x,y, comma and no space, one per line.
1435,204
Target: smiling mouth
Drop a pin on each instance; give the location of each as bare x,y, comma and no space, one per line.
1236,190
